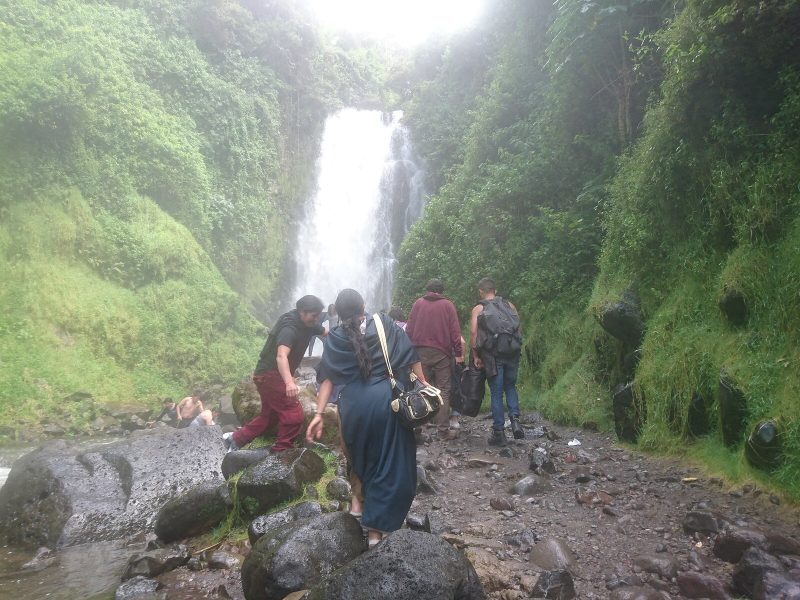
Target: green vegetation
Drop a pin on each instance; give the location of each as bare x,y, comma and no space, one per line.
640,145
153,156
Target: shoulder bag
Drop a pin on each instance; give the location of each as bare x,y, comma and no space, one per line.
413,407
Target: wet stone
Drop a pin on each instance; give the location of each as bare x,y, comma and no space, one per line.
700,522
581,474
532,485
425,483
540,462
700,585
554,585
338,489
552,554
501,504
260,525
636,593
774,585
734,541
752,568
763,447
156,562
140,588
665,566
223,560
524,540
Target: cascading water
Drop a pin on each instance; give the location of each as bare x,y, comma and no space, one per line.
369,192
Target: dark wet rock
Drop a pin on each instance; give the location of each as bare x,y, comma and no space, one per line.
700,585
278,478
629,413
260,525
434,524
241,459
425,483
532,485
697,421
636,593
763,448
552,554
338,489
663,565
140,588
701,522
540,462
774,585
732,410
733,306
407,565
581,474
245,400
156,562
554,585
223,560
629,363
499,503
61,495
416,522
752,568
615,581
777,543
297,556
197,511
623,319
731,544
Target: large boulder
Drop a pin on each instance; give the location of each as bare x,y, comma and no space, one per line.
61,495
732,410
623,319
278,478
241,459
629,413
407,565
197,511
297,556
763,448
245,400
261,525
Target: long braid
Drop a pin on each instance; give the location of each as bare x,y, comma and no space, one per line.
353,329
350,308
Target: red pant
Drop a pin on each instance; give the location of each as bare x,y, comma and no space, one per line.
276,406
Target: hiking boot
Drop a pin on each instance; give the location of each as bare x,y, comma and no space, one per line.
516,429
498,437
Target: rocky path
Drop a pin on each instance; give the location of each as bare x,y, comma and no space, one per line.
627,525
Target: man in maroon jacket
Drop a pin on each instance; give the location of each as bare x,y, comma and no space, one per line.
433,328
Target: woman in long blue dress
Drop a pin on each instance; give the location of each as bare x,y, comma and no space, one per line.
382,452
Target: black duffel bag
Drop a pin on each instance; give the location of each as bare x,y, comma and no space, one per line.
473,389
456,397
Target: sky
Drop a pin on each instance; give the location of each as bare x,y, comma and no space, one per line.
406,23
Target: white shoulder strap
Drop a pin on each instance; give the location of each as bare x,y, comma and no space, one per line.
382,337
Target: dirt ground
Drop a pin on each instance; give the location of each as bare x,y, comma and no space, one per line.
614,537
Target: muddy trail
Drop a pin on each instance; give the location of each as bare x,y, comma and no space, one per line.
626,525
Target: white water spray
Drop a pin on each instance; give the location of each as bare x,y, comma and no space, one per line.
369,192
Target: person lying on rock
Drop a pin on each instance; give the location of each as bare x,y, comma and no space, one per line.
381,452
168,414
274,377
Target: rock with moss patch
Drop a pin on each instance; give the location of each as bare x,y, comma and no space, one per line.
732,410
246,400
261,525
197,511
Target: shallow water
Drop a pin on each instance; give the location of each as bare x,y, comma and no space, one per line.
86,572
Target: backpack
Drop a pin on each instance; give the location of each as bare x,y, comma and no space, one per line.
501,327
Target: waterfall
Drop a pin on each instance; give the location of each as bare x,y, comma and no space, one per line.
369,192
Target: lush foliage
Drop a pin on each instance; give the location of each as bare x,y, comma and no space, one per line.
616,145
153,156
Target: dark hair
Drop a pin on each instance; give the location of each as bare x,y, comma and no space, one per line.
331,309
310,304
350,308
487,285
435,285
397,314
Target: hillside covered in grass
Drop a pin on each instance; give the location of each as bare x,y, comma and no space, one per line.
153,156
587,152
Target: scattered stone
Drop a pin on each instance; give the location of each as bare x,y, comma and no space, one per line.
433,524
478,463
278,478
777,543
140,588
260,525
752,568
636,593
581,474
552,554
774,585
589,497
223,560
297,556
524,540
532,485
493,574
623,319
407,565
156,562
197,511
700,585
732,543
554,585
698,521
540,462
415,522
664,566
425,483
501,504
338,489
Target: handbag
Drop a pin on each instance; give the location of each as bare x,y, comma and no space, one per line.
473,389
413,407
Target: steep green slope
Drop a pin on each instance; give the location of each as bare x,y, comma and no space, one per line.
153,157
622,147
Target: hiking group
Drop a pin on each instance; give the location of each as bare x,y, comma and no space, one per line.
353,372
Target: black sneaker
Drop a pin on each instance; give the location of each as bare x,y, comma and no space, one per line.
498,437
516,429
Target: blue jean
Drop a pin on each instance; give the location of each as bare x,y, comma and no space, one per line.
504,381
